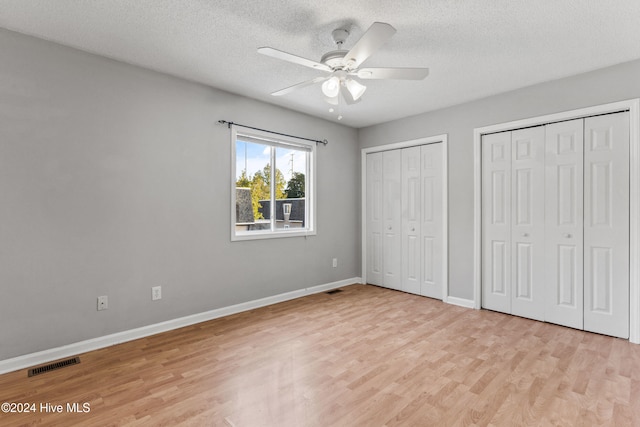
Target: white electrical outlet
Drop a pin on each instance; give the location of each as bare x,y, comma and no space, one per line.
156,293
335,262
103,303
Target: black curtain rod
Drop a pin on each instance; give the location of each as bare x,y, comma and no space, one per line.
229,124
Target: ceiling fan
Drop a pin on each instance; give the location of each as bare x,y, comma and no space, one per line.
343,66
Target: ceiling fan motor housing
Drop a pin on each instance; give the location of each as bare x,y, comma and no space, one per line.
339,36
334,59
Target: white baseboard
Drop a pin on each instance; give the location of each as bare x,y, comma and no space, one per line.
40,357
467,303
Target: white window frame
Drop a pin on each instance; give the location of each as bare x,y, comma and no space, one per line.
310,183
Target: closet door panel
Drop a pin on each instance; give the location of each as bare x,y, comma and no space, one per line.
411,217
392,219
564,224
606,224
527,224
374,218
431,222
496,222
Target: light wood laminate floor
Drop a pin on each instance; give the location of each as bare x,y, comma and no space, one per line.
366,356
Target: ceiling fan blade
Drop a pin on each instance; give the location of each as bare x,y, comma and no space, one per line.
278,54
377,34
299,86
393,73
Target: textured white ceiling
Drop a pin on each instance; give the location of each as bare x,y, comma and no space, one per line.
473,48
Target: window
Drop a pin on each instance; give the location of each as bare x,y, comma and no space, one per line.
272,186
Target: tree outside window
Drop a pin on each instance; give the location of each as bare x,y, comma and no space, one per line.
272,174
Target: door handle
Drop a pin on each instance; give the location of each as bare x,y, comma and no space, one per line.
525,235
568,235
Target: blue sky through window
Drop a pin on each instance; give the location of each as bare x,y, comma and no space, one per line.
255,157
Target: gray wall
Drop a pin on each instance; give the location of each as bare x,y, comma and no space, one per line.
611,84
114,179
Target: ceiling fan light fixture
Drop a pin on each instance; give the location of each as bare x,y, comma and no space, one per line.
332,101
344,66
355,88
331,87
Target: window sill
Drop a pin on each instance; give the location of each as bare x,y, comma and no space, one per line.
271,235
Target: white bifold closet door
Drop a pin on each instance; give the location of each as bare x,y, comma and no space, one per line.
513,222
564,223
431,223
392,221
422,220
555,223
384,262
411,214
496,222
374,224
606,224
404,219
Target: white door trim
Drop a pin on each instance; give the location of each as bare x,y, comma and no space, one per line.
445,201
633,106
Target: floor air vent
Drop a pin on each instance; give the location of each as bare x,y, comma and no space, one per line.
53,366
334,291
